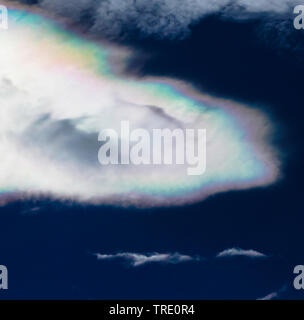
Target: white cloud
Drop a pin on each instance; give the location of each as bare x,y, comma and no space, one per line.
136,259
235,252
57,91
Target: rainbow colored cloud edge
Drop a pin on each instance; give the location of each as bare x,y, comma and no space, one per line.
64,74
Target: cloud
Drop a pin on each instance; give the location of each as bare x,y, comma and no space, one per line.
236,252
66,89
161,18
273,295
270,296
136,259
31,211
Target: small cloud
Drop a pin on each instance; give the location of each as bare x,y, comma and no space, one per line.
136,259
235,252
273,295
270,296
30,211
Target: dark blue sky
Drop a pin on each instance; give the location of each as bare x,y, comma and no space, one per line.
48,252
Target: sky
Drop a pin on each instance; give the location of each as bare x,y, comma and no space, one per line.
72,229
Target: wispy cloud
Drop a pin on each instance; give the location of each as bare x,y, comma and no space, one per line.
30,211
162,18
274,294
270,296
234,252
136,259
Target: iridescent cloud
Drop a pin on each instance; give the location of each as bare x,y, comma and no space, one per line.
58,89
